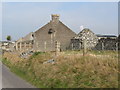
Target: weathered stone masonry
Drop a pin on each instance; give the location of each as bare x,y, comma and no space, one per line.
55,30
87,36
108,43
25,43
94,42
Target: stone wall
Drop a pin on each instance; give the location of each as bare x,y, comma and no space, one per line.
25,43
44,39
24,46
8,46
107,44
93,42
55,30
75,44
89,37
85,35
103,44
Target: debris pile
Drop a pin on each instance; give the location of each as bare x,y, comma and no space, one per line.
26,54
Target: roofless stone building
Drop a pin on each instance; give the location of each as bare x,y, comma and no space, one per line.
45,38
85,36
25,43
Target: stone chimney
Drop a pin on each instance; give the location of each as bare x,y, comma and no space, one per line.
55,17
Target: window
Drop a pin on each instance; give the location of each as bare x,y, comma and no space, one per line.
50,31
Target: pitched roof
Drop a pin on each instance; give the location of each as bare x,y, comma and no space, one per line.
98,35
85,30
56,26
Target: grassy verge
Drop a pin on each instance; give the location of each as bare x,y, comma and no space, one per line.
23,73
71,69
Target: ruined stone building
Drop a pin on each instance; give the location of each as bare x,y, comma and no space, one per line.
55,30
93,41
107,42
45,38
25,43
85,36
106,36
7,45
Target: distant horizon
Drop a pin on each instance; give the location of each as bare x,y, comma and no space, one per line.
19,19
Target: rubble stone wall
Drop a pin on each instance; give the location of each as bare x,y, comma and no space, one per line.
89,37
92,41
86,36
107,44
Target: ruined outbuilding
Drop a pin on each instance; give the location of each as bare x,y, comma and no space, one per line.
56,36
85,36
25,43
7,45
107,42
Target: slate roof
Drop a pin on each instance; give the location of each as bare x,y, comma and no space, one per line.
98,35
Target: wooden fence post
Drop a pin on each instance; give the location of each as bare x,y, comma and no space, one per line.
116,46
45,46
84,48
79,45
57,48
72,46
102,46
16,46
20,46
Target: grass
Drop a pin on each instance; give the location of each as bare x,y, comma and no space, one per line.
23,73
97,69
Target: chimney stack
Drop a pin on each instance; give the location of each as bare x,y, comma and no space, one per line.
55,17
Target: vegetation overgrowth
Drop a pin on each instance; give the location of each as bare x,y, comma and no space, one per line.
98,69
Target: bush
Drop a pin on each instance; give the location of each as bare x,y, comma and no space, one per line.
36,54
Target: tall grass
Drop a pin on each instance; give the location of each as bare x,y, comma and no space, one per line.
71,69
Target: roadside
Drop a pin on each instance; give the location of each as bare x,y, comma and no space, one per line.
70,69
10,80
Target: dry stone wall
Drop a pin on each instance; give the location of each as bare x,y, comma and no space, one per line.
93,42
90,38
107,44
85,35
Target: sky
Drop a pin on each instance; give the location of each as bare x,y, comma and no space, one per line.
21,18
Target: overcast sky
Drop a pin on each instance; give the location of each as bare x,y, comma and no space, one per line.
20,18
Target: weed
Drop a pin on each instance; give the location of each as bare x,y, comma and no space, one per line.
98,69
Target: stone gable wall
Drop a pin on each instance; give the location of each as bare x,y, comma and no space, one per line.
43,41
86,36
90,38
